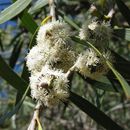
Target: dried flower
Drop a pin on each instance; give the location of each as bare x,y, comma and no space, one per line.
91,65
49,86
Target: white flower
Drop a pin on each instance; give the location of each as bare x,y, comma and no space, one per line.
57,57
96,33
37,58
91,65
54,33
49,86
53,48
61,58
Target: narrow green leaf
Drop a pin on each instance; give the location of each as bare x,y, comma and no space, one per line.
99,84
123,33
13,10
104,86
11,77
15,109
28,22
121,80
37,5
121,65
68,20
124,10
96,114
15,53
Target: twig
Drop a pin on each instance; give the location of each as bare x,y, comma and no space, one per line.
38,109
52,10
70,71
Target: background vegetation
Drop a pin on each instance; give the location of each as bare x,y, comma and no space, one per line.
105,103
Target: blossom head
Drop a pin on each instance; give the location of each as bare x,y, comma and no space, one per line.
37,58
96,33
54,33
91,65
49,86
61,58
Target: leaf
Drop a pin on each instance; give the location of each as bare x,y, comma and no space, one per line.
123,33
13,10
68,20
100,117
15,109
15,53
122,65
28,22
104,86
11,77
37,5
121,80
124,10
99,84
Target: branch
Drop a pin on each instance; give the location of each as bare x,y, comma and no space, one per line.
52,10
36,116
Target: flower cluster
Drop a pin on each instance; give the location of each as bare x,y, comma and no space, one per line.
92,65
49,86
96,33
48,61
53,57
54,47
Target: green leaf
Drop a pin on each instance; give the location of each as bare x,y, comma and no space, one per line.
99,84
68,20
96,114
37,5
15,109
121,80
123,33
104,86
121,65
28,22
13,10
11,77
124,10
15,53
